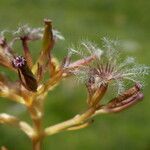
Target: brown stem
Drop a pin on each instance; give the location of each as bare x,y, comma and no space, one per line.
36,113
37,141
27,52
37,145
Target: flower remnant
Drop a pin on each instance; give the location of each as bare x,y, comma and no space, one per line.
109,68
30,33
19,62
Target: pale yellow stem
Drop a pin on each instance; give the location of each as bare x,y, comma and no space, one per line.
51,83
12,96
12,120
78,119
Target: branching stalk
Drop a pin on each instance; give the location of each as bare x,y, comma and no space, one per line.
96,70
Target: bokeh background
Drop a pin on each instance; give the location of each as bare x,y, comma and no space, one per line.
126,20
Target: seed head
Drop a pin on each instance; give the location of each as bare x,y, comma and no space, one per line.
30,33
109,68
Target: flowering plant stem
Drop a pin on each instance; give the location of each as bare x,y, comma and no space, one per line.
37,126
31,90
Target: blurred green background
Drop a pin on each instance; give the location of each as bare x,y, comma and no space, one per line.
126,20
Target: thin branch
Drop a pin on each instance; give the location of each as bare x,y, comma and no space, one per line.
27,52
81,126
77,120
3,148
14,121
12,96
51,83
